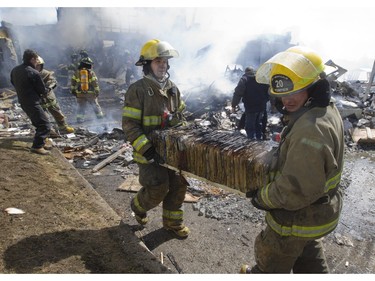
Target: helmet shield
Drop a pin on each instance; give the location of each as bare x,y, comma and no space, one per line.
155,49
39,60
289,72
165,50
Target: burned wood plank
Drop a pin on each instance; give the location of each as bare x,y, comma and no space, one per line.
109,159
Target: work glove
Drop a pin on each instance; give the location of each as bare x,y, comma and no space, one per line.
51,86
251,193
152,156
257,203
43,99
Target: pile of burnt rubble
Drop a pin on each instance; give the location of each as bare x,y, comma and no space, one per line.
88,149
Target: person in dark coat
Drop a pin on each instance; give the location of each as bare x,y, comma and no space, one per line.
31,90
254,97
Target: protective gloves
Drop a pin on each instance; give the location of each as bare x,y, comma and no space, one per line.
257,203
152,156
251,193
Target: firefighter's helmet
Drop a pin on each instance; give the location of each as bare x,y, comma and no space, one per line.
39,60
155,48
84,54
291,71
86,63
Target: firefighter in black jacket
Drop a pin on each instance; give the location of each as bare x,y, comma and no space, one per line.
31,90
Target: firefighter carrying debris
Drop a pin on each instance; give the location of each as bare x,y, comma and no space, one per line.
49,102
301,194
152,103
85,87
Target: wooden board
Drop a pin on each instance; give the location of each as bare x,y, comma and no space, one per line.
363,135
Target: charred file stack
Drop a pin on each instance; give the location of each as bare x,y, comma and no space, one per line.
226,158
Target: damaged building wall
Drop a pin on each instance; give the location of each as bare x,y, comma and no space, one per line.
8,57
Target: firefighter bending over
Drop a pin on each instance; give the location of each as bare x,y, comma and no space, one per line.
153,103
302,196
85,87
49,102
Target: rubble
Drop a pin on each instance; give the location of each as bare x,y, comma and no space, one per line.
208,114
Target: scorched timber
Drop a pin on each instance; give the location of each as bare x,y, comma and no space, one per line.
225,158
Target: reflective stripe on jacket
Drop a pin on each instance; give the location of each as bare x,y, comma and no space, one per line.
308,168
144,109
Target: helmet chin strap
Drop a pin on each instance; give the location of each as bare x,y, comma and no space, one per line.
165,78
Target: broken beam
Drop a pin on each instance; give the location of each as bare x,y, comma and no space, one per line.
109,159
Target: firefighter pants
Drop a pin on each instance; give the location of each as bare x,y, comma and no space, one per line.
54,109
286,254
89,100
40,121
160,184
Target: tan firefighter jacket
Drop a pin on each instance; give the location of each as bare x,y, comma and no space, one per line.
147,107
75,87
51,83
302,195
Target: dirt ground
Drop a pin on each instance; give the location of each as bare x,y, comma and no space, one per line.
221,246
68,228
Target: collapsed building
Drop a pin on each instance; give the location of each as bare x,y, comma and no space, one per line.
8,54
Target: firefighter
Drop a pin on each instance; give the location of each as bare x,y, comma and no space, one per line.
131,73
49,102
74,62
72,67
301,196
85,87
153,103
84,54
31,90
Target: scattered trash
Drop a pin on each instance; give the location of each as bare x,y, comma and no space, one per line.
14,211
343,240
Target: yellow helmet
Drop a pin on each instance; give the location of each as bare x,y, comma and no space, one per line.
155,48
291,71
39,60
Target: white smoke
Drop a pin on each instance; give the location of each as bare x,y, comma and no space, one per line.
338,32
28,16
